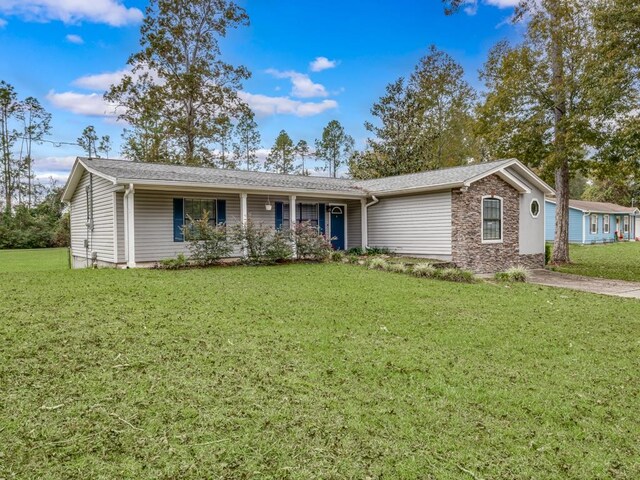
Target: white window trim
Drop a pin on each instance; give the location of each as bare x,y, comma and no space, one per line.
591,224
494,197
625,224
606,224
539,208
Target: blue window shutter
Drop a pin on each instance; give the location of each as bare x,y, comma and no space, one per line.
221,214
321,219
278,214
178,219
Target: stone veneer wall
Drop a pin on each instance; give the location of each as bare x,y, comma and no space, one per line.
468,251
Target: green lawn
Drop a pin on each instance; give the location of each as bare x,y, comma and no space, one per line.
311,371
40,260
613,260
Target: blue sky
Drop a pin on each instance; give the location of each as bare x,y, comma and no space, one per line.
64,52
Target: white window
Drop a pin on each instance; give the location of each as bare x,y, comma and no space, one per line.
605,224
491,220
626,225
594,223
534,208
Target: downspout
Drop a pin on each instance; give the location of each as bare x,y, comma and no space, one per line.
373,201
127,225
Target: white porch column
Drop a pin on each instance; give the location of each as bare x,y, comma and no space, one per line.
243,219
292,222
364,223
129,227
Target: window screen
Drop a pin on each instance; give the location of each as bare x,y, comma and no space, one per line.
305,212
491,219
194,210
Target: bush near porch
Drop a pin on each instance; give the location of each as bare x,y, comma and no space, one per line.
309,371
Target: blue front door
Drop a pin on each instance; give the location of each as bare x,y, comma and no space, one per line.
337,228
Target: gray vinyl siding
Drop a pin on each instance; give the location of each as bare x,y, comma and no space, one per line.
531,234
101,237
412,225
153,216
354,224
257,211
120,226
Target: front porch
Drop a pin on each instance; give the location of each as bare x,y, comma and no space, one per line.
150,220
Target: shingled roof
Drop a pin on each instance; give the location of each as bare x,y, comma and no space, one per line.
599,207
445,176
125,172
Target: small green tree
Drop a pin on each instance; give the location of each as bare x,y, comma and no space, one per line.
247,141
88,141
282,154
303,152
334,148
105,145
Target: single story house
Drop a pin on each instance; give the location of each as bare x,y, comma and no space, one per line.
484,217
594,222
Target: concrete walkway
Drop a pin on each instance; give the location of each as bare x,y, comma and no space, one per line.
616,288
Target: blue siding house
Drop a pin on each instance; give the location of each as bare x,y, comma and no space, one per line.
595,222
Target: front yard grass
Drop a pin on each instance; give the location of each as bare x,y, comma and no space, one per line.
312,371
614,260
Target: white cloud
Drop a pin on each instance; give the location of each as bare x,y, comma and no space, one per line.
54,164
3,23
92,104
264,105
322,63
302,85
77,39
111,12
471,7
101,81
503,3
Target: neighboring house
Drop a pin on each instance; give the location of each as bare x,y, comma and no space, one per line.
595,222
485,217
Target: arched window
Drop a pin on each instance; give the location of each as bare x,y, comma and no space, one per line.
491,219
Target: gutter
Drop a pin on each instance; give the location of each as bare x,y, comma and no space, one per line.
365,227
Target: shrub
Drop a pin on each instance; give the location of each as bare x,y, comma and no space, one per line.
396,267
207,243
174,263
548,251
457,275
337,256
513,274
310,243
353,258
263,244
425,270
253,237
377,263
356,251
378,251
279,246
